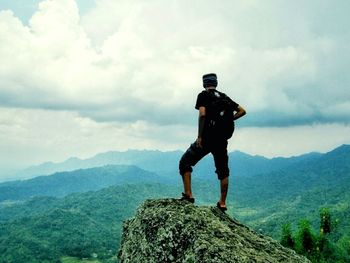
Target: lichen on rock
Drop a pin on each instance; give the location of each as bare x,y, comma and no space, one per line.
170,230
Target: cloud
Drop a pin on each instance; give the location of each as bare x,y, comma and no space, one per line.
130,61
79,78
32,136
290,141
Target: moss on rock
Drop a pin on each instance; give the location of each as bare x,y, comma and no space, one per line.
170,230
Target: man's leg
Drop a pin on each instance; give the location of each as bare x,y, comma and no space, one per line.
186,178
221,163
189,159
224,190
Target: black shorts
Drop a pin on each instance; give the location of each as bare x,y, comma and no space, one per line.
193,154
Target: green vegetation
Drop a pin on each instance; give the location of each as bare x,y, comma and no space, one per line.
319,248
89,224
83,180
86,225
265,201
287,239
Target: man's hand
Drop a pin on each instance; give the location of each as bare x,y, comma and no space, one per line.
240,113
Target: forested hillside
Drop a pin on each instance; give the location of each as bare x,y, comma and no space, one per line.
296,191
88,224
79,225
166,163
63,183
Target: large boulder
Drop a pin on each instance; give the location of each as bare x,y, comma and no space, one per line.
169,230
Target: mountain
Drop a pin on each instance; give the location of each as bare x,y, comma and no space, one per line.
242,164
166,163
169,230
297,191
269,174
83,180
39,228
85,225
46,229
155,161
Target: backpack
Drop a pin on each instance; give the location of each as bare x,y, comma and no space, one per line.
219,114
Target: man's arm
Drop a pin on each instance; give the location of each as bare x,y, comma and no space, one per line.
240,113
201,123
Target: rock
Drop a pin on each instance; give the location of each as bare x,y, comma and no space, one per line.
169,230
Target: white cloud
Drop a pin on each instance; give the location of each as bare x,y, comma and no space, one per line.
137,66
153,54
34,136
290,141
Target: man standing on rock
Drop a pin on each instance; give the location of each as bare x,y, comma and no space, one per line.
217,113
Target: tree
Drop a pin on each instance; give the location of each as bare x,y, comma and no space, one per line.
325,221
287,237
306,240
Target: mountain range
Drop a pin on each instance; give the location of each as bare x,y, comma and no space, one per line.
102,170
63,183
165,163
264,194
297,173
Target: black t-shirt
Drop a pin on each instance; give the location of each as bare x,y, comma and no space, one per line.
203,99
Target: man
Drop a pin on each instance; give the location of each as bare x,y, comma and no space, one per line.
210,139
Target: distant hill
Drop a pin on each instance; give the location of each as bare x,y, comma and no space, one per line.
162,168
295,189
83,180
155,161
45,229
166,163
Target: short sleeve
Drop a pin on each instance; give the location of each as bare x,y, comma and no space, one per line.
202,100
235,106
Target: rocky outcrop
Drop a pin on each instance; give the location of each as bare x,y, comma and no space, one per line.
169,230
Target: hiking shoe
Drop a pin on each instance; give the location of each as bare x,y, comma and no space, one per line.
222,209
185,197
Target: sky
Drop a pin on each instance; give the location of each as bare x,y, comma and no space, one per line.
82,77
